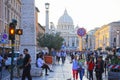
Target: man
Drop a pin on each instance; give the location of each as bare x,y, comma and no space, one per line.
19,64
26,65
99,68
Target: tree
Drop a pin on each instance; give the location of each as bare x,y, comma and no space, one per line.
99,49
108,48
50,40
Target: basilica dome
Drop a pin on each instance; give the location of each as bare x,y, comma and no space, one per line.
65,19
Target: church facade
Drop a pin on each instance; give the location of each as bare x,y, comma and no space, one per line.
67,30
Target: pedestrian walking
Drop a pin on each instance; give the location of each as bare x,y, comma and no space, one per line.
53,52
81,67
58,56
90,65
106,62
26,65
99,68
72,56
19,64
41,64
75,68
63,56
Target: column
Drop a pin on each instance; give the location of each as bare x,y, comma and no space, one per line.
75,41
47,18
28,24
117,38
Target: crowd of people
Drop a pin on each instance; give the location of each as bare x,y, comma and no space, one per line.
79,61
23,63
94,64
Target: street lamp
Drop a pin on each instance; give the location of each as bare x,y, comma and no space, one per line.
47,5
47,17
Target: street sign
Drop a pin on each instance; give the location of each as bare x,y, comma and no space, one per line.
81,32
4,38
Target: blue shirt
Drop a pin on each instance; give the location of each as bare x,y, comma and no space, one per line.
1,58
53,53
75,64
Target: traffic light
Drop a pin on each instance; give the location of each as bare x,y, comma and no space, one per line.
11,31
19,31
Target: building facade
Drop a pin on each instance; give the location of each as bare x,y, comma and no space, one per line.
10,9
108,35
102,37
68,32
91,39
114,34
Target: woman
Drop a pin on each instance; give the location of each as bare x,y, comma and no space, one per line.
75,68
81,68
42,64
90,65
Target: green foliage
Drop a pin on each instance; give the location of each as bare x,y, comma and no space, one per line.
50,40
108,48
115,60
100,48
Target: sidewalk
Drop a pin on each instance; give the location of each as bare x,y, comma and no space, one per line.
5,74
61,72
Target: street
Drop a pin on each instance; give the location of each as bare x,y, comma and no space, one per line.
61,72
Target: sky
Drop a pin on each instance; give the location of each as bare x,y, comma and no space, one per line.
88,14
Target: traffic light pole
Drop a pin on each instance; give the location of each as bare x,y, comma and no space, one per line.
11,77
12,32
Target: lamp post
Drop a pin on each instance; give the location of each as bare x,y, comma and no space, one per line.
118,38
47,17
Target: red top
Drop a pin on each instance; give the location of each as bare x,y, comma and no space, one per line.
90,65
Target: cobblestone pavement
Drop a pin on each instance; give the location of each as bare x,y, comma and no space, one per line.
61,72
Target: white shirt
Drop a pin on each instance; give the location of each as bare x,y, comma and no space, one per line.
40,62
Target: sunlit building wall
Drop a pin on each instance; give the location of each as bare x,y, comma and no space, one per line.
108,35
102,37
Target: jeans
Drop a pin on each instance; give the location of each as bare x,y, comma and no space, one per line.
81,73
90,74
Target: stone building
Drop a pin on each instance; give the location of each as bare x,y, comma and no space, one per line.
10,9
108,35
68,31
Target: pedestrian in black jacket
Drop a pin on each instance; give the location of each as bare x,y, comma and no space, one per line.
99,68
26,65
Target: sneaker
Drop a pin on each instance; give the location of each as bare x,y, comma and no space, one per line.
47,74
51,71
